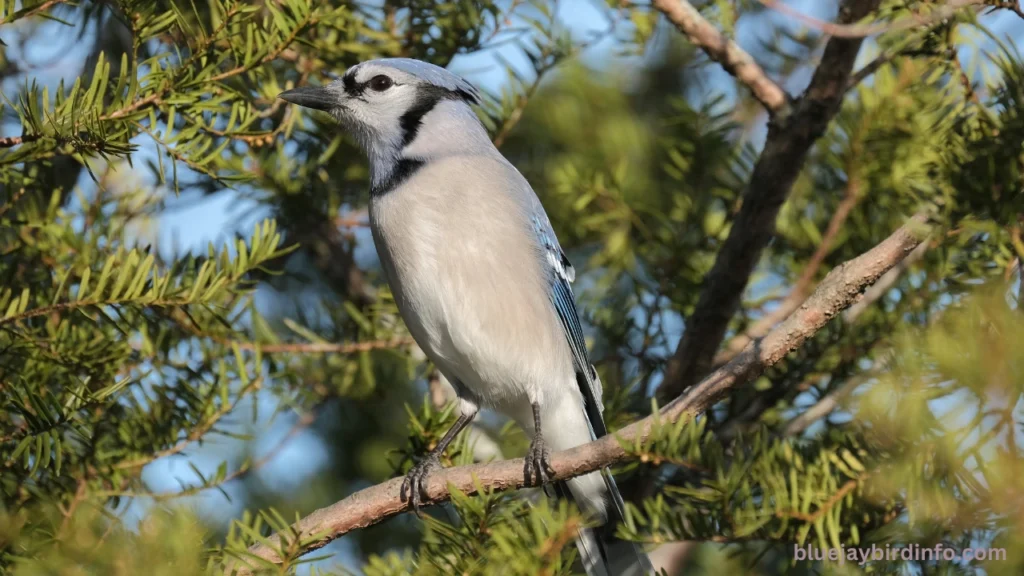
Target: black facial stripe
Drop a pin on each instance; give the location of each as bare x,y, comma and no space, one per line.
427,96
353,88
405,168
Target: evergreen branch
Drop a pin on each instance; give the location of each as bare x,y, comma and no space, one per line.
551,548
547,60
309,20
178,156
882,59
64,306
786,147
254,139
185,322
812,517
303,422
367,507
136,282
733,59
167,87
196,433
138,103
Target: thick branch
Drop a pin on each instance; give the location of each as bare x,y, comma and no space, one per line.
766,400
780,163
840,288
884,284
726,52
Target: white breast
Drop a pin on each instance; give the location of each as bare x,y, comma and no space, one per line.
458,250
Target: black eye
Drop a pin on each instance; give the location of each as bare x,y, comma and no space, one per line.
381,83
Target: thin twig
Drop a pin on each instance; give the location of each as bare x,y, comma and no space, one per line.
882,59
732,58
301,424
823,407
196,433
328,347
812,517
185,322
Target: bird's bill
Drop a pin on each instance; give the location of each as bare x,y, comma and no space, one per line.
315,97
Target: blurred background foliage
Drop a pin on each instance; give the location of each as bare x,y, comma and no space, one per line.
196,345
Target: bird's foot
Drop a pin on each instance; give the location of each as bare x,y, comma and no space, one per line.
537,470
414,485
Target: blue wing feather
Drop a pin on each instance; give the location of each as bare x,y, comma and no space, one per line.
565,306
562,275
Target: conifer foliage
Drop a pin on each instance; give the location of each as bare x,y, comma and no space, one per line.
715,169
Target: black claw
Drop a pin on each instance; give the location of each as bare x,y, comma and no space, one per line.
414,487
537,469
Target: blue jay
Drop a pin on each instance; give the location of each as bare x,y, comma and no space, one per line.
478,276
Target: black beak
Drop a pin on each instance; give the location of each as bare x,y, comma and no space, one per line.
315,97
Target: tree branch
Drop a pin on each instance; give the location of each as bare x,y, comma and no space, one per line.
785,149
822,408
733,59
327,347
802,287
767,399
372,505
884,284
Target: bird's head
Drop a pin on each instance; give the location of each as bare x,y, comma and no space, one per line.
399,108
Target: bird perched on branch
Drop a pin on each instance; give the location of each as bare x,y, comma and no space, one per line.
478,276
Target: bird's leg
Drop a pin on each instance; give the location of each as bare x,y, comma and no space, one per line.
537,470
414,485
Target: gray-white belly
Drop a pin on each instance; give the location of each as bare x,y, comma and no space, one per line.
478,309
